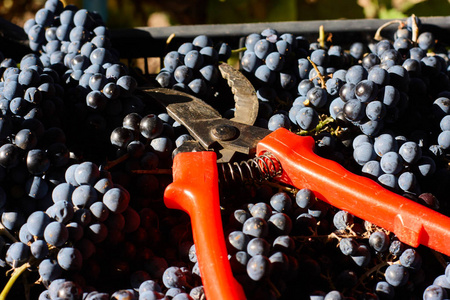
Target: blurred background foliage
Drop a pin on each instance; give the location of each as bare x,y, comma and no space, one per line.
127,13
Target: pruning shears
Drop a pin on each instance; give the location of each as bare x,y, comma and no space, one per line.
195,180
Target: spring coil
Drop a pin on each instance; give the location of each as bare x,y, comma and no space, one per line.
255,170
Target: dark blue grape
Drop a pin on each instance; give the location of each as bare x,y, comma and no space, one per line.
17,254
250,62
363,153
37,223
426,40
372,169
279,121
362,256
87,173
355,74
96,232
198,86
265,75
63,32
162,146
173,277
255,227
375,110
425,165
78,34
334,86
262,48
410,258
202,41
384,290
407,182
317,97
305,198
99,211
410,152
287,80
24,235
396,275
334,295
70,259
320,57
366,90
250,41
354,110
336,107
388,180
116,199
281,202
342,220
12,220
391,163
49,270
279,224
370,61
379,241
56,234
62,211
444,139
385,143
84,195
275,61
258,267
348,246
183,74
193,59
257,246
434,292
307,118
39,249
172,60
261,210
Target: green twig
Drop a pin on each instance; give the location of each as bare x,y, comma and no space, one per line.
17,272
239,50
5,231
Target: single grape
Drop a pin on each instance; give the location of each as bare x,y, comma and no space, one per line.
396,275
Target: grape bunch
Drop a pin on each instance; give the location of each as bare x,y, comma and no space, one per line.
193,68
74,220
75,45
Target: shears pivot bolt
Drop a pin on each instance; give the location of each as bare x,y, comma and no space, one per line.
224,132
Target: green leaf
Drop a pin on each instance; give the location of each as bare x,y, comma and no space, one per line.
391,13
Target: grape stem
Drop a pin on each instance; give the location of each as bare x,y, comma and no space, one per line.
5,231
17,272
415,29
113,163
378,36
319,75
318,128
239,50
321,38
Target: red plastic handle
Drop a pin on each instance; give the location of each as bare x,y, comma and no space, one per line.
413,223
195,190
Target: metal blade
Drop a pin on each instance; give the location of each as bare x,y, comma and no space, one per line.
246,101
206,125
